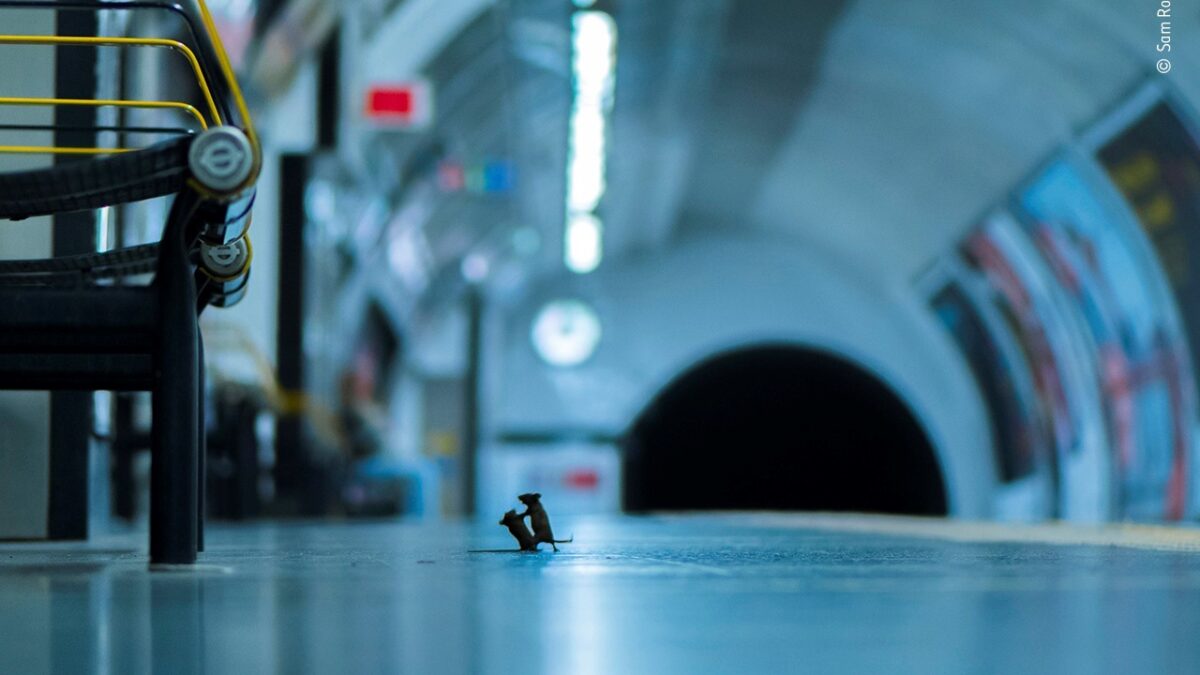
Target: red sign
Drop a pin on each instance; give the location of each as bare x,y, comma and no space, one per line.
582,479
390,102
402,105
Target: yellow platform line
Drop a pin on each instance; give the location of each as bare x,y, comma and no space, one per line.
1176,538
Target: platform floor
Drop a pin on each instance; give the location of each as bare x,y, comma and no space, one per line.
722,594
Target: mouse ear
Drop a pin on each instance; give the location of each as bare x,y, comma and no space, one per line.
537,495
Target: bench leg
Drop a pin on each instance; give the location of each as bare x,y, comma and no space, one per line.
201,446
174,464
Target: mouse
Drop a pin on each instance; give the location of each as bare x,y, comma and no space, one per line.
540,520
516,525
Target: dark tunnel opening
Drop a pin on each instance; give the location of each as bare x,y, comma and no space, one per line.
780,428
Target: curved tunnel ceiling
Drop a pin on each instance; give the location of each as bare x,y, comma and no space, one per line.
926,113
869,125
706,92
770,56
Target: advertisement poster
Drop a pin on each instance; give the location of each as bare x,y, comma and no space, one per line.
1092,247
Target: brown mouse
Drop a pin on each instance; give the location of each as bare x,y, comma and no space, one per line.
516,525
540,520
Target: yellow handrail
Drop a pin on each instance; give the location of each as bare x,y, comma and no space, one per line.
219,336
238,99
97,103
125,42
104,102
222,59
58,150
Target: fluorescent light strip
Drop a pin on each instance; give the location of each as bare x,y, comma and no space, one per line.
593,62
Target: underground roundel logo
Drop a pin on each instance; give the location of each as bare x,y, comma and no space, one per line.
220,158
225,260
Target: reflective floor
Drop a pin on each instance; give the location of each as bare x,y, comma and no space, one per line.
721,594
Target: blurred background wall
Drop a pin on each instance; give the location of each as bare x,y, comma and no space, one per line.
927,258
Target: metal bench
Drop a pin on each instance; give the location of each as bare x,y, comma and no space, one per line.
90,322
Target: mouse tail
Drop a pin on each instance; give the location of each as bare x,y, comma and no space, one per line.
565,541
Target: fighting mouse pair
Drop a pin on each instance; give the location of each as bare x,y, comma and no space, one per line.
538,518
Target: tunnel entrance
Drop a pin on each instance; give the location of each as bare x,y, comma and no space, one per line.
780,428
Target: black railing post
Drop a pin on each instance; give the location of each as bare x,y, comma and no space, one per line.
175,434
201,443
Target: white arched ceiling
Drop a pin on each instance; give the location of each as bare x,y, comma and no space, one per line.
412,35
926,112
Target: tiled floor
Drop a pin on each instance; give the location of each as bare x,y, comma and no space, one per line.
722,594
